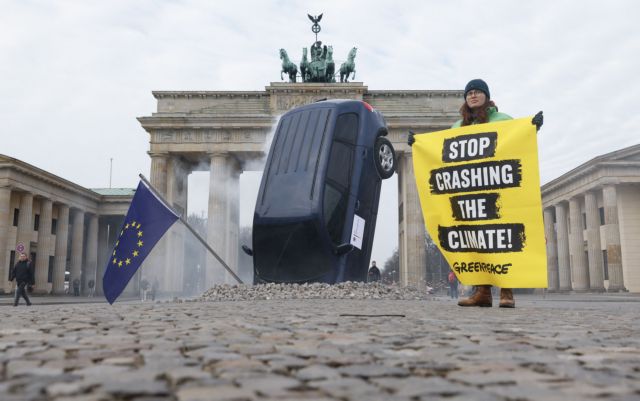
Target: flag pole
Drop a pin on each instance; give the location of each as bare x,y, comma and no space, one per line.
194,232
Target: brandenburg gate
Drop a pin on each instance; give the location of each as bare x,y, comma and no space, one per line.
227,132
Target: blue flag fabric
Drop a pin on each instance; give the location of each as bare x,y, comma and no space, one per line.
147,220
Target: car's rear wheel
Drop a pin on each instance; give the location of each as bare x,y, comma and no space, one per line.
385,157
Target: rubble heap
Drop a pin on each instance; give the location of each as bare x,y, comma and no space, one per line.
346,290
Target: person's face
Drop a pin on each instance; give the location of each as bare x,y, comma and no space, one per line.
23,256
476,98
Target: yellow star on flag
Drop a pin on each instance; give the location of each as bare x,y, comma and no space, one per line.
139,233
120,264
128,261
135,253
140,243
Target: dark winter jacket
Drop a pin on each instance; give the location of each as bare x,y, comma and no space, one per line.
22,272
374,274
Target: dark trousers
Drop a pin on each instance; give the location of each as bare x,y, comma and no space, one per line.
453,290
21,290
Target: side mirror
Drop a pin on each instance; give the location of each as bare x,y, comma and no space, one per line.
247,250
343,249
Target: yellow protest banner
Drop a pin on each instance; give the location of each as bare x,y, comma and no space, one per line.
479,189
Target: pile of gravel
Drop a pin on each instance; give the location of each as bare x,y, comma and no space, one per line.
346,290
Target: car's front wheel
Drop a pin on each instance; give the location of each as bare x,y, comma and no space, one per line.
385,157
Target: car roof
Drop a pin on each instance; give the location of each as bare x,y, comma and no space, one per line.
329,103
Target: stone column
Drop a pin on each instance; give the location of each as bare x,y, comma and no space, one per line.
62,239
159,171
103,251
612,238
181,230
44,247
25,222
177,185
596,265
580,268
413,251
552,250
91,268
233,222
157,260
217,217
170,241
564,259
77,245
5,223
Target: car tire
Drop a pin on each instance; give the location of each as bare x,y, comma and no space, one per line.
384,157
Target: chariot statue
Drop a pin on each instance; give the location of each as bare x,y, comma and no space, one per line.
321,67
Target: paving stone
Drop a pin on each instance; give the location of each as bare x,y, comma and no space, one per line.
317,372
64,389
270,385
21,367
345,387
182,375
215,393
419,386
367,371
126,387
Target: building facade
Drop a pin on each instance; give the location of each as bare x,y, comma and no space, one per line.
592,225
228,132
67,230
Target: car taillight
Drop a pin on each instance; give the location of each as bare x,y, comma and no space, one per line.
368,106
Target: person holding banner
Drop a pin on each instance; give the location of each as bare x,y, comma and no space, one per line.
478,108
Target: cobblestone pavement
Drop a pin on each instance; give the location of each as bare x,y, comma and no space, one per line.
561,348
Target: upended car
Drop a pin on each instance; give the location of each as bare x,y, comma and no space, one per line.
316,210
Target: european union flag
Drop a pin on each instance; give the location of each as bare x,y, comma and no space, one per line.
147,220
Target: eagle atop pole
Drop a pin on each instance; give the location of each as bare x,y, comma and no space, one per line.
315,28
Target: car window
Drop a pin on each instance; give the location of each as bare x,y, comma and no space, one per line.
347,128
335,208
340,163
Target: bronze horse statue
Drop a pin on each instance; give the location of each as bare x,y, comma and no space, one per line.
304,66
288,67
348,66
331,66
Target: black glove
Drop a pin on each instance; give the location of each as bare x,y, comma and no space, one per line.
537,120
410,138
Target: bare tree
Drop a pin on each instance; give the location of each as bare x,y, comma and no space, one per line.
391,269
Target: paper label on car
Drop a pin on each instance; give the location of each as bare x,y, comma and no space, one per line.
357,232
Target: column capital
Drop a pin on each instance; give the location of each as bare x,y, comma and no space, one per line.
158,154
218,153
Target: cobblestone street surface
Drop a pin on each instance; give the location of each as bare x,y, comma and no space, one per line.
571,347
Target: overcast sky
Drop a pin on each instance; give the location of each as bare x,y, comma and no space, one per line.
74,75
